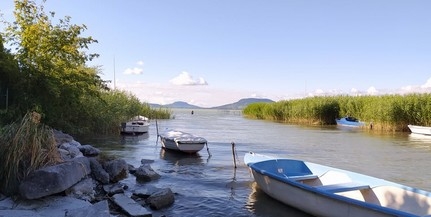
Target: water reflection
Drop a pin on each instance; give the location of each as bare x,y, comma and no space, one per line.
180,159
133,139
261,204
420,141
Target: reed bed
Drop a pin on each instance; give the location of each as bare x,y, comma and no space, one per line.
384,113
25,146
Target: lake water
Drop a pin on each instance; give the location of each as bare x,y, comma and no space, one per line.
211,186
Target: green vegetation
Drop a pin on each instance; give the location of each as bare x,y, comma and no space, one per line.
47,73
386,112
25,146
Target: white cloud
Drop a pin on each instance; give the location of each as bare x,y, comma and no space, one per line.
140,62
134,71
372,91
186,79
427,84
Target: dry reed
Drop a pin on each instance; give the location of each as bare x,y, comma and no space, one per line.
25,146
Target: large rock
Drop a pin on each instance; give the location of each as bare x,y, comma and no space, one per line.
100,209
145,174
83,190
53,206
117,169
54,179
89,151
98,172
130,206
162,198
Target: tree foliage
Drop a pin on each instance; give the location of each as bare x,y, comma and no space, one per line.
46,72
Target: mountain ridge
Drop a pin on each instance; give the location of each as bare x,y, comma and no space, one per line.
239,105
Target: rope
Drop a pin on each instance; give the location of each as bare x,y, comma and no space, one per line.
208,150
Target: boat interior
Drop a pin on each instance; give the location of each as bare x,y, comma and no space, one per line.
380,192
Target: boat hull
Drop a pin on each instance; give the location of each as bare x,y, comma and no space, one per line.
135,129
325,191
347,123
420,130
182,142
136,126
310,202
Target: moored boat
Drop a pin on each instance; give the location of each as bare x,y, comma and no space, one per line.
420,129
326,191
135,126
181,141
349,122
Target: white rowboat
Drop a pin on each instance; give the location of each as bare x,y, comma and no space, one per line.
182,141
326,191
420,129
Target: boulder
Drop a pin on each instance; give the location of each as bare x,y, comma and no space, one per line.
117,169
98,172
83,190
161,198
99,209
130,206
145,173
115,188
89,151
54,179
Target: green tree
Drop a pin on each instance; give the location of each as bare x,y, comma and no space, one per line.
52,59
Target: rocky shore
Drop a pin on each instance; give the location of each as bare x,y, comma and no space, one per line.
86,183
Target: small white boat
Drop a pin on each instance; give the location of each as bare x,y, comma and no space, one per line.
136,126
420,129
326,191
182,141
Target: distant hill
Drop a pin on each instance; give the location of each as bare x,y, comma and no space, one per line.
233,106
178,104
241,104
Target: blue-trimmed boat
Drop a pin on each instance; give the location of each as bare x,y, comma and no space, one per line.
326,191
349,122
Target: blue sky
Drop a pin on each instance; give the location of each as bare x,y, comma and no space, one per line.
210,53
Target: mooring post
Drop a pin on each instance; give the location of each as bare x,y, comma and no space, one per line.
233,153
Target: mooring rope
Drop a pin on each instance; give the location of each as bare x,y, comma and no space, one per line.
208,150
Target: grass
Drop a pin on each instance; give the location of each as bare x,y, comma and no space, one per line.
25,146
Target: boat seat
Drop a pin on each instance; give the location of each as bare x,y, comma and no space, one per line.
303,177
349,186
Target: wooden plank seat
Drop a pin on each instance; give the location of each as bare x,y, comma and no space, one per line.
303,177
349,186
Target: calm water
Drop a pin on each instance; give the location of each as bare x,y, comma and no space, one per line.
211,186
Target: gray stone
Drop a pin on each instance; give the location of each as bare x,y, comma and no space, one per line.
145,174
117,169
98,172
146,161
54,179
130,206
61,137
6,203
73,151
89,151
114,188
64,154
83,190
19,213
160,199
53,206
100,209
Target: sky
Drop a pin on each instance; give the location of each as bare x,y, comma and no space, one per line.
211,53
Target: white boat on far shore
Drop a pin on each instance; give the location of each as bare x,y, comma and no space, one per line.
136,126
420,129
